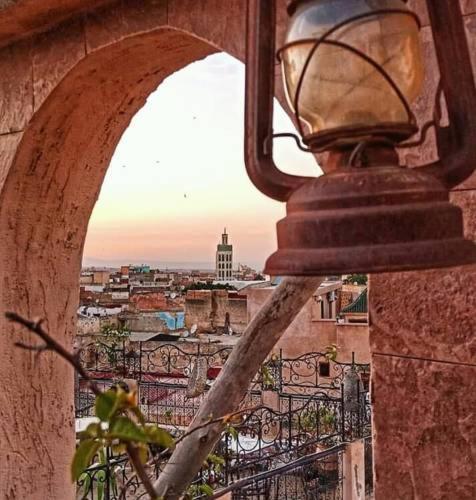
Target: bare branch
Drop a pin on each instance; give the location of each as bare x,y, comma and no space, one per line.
134,457
52,345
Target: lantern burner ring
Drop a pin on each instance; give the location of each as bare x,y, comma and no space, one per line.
342,137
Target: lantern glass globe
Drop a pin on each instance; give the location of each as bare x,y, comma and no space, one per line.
341,90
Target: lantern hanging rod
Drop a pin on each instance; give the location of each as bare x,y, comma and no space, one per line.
260,66
456,143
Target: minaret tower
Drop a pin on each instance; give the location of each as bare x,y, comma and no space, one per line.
224,259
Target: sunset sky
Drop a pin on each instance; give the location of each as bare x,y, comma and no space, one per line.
178,178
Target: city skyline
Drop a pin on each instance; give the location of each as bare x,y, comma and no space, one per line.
178,177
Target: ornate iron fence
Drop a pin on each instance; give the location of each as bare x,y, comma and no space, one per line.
105,478
312,403
315,476
136,360
308,372
368,464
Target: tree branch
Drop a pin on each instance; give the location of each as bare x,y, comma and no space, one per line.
51,345
226,394
140,470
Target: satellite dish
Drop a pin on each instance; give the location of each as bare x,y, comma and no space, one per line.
185,334
230,330
173,295
193,329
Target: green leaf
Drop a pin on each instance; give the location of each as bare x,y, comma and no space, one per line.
106,405
125,429
101,480
85,481
206,489
159,436
215,459
93,430
143,453
232,432
82,458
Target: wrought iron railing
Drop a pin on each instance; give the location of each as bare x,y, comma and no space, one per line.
312,370
106,477
314,476
308,409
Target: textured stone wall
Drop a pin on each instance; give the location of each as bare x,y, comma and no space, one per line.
68,91
208,309
423,344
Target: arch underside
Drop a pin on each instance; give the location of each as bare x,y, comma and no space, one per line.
45,205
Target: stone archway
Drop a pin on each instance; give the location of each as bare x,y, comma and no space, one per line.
45,204
67,95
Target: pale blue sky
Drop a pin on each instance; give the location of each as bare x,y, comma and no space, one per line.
178,177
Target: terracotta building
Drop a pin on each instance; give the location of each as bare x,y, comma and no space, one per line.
317,326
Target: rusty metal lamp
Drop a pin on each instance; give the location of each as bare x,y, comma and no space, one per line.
351,70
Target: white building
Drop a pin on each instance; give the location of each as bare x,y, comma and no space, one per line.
224,259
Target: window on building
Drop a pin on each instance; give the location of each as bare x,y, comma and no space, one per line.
324,368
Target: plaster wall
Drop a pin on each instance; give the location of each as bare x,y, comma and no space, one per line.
208,309
424,350
353,338
145,323
305,334
92,326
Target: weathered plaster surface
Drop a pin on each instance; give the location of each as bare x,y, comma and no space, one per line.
428,315
70,93
424,429
16,87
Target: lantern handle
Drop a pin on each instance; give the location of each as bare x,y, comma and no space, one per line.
260,67
456,143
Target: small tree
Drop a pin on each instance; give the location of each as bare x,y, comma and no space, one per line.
356,279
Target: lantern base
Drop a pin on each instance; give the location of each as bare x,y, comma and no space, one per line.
368,220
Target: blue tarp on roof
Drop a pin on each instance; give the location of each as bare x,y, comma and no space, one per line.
174,321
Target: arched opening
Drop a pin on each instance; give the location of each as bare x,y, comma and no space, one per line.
46,203
177,178
45,206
